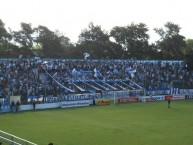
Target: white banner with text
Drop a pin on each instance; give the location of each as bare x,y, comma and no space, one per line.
69,104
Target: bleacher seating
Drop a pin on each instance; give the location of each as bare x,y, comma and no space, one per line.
58,77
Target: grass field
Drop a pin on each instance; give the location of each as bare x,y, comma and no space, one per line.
124,124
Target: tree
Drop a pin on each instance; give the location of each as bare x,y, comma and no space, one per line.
65,45
95,41
93,33
133,39
189,45
24,39
189,54
53,43
171,43
189,60
5,38
151,52
24,36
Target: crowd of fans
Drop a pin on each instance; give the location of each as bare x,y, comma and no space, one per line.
34,77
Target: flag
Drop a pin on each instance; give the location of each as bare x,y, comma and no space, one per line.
75,72
55,75
86,55
131,71
97,73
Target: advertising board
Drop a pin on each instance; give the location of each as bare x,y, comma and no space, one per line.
103,101
153,98
178,97
70,104
175,97
130,99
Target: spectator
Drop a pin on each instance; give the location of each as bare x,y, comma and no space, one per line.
17,106
12,106
34,104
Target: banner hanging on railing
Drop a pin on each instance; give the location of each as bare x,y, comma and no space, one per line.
70,104
72,97
152,98
57,82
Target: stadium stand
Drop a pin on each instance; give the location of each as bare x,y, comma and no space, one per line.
57,79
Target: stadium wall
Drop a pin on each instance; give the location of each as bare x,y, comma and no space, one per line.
105,101
57,105
40,106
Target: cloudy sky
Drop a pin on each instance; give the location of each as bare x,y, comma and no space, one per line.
72,16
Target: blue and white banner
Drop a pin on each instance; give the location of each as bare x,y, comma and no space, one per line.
186,91
175,91
158,92
58,83
152,98
70,104
75,97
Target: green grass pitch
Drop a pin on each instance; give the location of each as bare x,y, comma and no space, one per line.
124,124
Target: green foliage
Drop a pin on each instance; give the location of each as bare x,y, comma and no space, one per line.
189,45
24,36
122,42
93,33
95,41
132,123
171,43
189,54
5,37
189,60
133,39
24,40
53,44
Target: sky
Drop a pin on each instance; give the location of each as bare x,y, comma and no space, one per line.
72,16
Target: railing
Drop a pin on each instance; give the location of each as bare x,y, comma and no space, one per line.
13,140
